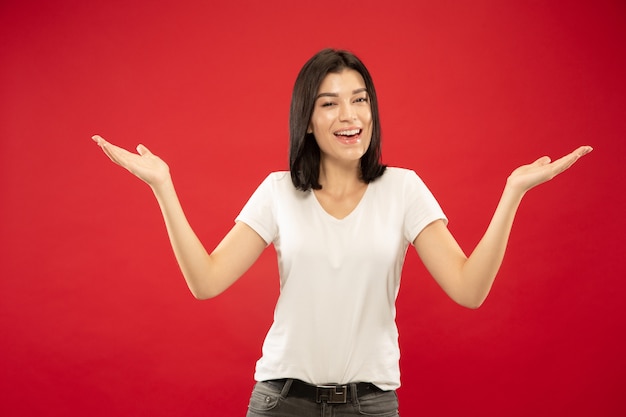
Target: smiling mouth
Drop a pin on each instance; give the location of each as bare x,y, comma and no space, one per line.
348,135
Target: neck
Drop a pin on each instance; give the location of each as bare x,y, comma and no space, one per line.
340,178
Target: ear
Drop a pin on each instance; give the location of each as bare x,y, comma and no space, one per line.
309,129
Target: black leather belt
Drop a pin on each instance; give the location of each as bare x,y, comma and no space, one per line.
331,394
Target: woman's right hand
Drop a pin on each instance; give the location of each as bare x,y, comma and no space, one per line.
206,275
143,164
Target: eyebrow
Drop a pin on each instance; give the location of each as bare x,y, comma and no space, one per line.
357,91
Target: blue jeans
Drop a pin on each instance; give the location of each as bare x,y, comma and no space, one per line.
272,399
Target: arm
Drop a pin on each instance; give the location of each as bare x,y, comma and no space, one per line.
206,275
467,280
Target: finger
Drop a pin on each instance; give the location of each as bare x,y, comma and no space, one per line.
142,150
118,155
106,146
544,160
113,152
568,160
583,150
98,139
577,153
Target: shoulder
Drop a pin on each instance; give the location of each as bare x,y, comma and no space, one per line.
276,178
279,183
401,181
279,176
397,172
399,176
279,180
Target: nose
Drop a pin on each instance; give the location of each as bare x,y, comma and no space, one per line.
347,112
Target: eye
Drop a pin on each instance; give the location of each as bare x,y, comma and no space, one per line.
361,100
328,104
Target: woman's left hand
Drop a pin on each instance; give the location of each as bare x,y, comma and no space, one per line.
542,170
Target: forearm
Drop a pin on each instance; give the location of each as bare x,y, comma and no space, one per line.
192,257
467,280
480,269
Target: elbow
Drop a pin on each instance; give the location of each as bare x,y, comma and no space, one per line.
204,293
475,305
472,303
202,287
471,297
201,296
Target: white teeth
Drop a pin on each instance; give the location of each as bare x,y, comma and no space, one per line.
348,132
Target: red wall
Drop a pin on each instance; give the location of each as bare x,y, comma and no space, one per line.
95,318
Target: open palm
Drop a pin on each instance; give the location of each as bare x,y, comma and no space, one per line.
542,170
143,164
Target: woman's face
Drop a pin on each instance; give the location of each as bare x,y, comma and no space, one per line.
342,118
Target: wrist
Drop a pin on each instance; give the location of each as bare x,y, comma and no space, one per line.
512,191
162,187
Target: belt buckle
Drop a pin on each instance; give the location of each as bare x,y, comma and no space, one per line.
332,394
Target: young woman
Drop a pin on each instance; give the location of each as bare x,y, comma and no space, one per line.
341,223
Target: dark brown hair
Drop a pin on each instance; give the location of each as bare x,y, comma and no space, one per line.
304,153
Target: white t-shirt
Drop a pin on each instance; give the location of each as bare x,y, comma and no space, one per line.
334,321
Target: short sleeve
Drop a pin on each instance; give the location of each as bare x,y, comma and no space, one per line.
259,212
421,207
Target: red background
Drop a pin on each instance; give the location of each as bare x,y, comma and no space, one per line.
95,318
